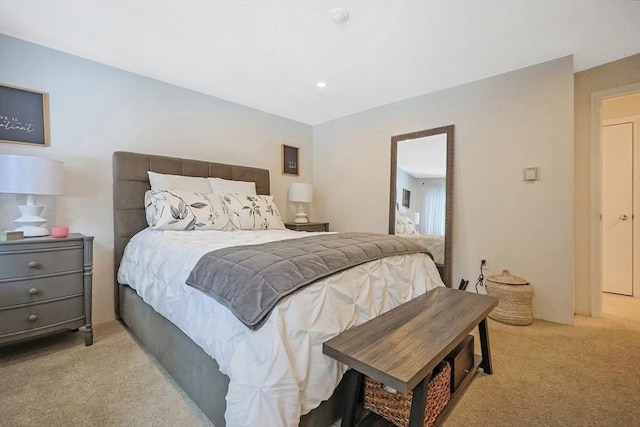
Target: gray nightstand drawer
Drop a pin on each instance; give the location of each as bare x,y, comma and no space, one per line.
34,290
38,315
34,263
45,286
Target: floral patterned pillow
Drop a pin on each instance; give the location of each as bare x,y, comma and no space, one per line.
404,225
252,212
184,210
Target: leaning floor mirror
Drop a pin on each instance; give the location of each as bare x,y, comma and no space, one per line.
421,192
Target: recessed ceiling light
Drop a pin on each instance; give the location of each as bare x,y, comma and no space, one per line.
321,84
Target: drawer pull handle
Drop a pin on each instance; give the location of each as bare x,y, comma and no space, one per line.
33,291
466,371
33,264
32,318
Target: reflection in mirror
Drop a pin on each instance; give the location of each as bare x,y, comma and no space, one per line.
421,170
422,192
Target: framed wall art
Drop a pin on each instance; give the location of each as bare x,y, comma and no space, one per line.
290,160
406,198
24,116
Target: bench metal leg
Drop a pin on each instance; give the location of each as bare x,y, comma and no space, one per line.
484,345
354,389
418,403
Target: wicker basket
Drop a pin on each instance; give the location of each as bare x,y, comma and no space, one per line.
514,299
396,407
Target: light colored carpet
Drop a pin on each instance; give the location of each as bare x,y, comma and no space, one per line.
57,381
545,374
548,374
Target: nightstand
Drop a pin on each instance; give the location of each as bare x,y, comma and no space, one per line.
45,286
309,226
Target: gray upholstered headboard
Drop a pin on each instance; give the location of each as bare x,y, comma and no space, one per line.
130,182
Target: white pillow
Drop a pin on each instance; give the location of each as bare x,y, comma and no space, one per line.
184,210
163,181
404,225
249,212
219,185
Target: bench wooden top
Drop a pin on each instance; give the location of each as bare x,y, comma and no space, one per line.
402,346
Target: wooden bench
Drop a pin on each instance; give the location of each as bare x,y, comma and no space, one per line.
401,347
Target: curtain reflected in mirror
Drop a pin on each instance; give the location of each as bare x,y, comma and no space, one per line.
422,167
433,206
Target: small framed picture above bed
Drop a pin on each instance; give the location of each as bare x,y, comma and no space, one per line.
406,198
290,160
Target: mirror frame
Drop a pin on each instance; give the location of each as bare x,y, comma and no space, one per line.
448,232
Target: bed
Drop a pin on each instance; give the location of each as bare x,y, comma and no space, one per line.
187,356
435,243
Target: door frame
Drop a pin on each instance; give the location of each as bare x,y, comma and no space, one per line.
596,190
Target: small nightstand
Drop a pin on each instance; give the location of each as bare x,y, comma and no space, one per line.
45,286
309,226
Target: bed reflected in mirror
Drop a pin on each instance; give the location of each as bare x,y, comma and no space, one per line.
420,206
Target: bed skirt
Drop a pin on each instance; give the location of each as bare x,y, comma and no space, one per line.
194,370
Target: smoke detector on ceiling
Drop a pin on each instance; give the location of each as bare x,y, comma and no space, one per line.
339,15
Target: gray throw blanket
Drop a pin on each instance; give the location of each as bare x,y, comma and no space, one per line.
250,280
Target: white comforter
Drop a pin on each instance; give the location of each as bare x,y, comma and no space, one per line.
434,243
277,373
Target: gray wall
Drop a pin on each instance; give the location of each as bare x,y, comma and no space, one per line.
502,124
96,110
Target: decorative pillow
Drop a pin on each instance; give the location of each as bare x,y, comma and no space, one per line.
163,181
184,210
404,225
252,212
219,185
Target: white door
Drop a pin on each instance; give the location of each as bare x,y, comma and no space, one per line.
617,208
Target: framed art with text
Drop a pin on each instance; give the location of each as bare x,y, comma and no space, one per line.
24,116
406,198
290,160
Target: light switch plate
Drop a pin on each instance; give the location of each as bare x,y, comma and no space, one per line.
531,174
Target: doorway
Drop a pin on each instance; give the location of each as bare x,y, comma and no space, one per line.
620,184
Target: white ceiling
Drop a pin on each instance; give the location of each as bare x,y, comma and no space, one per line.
270,54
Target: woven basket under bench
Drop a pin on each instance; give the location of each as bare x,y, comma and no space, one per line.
396,407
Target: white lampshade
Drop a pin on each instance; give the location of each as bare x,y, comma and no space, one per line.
30,176
300,192
414,217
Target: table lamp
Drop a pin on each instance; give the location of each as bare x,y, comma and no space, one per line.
301,193
31,176
414,217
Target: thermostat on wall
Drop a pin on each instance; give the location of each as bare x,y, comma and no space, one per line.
531,174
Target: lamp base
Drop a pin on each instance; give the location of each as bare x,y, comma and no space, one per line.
33,231
301,216
31,223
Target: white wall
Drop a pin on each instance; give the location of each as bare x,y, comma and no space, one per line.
96,110
502,124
